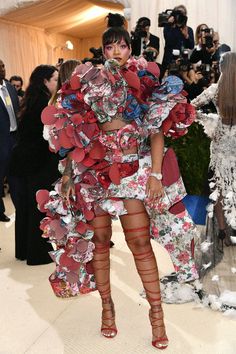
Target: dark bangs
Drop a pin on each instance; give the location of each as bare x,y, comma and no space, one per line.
115,34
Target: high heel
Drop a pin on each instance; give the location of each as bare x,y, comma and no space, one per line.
108,329
157,323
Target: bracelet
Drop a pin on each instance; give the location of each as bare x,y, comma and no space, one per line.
158,176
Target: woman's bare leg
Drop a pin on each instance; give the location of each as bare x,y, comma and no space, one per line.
101,265
136,228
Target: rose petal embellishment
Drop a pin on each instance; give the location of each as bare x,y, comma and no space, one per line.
48,115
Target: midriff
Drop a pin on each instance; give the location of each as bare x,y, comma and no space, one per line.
115,124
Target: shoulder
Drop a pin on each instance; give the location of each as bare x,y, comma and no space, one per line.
153,37
11,89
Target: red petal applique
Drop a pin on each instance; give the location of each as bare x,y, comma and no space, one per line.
72,277
82,246
48,115
43,224
64,139
68,262
81,227
132,79
89,130
153,68
55,143
69,130
97,152
77,155
89,215
75,82
60,123
42,197
114,174
89,268
166,125
59,231
77,140
77,119
88,162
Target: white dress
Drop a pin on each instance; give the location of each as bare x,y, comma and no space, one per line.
222,155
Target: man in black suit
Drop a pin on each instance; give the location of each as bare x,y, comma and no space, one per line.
141,38
9,105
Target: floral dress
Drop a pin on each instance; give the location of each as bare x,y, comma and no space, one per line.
104,175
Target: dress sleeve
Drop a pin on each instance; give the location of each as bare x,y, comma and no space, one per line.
211,120
205,97
168,110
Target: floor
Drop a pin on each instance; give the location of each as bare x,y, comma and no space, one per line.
34,321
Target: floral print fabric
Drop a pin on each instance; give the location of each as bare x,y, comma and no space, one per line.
102,170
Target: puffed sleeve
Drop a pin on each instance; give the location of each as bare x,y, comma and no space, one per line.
168,110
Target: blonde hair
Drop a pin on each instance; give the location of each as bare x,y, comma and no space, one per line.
227,88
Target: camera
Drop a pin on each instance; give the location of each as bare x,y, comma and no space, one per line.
205,70
207,37
180,20
60,61
180,62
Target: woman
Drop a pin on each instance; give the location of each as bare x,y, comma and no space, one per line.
35,166
200,30
111,125
205,46
221,127
65,71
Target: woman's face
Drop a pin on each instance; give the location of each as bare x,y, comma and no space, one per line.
117,50
52,82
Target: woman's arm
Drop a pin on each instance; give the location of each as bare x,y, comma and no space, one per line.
154,188
205,97
67,188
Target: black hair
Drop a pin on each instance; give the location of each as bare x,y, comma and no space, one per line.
115,20
116,31
144,20
36,87
16,78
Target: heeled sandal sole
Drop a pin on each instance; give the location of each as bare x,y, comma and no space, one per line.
163,346
109,329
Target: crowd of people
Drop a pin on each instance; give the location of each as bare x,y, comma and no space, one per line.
103,121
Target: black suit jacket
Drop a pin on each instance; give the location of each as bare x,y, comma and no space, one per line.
136,44
5,141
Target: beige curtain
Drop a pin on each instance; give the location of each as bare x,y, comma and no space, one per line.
23,47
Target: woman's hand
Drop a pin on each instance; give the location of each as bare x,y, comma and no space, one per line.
67,187
154,189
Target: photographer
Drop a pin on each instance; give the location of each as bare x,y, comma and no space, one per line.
219,48
205,46
176,33
141,38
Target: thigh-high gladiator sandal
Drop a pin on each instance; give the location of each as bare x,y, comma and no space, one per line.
108,329
147,268
156,319
101,265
